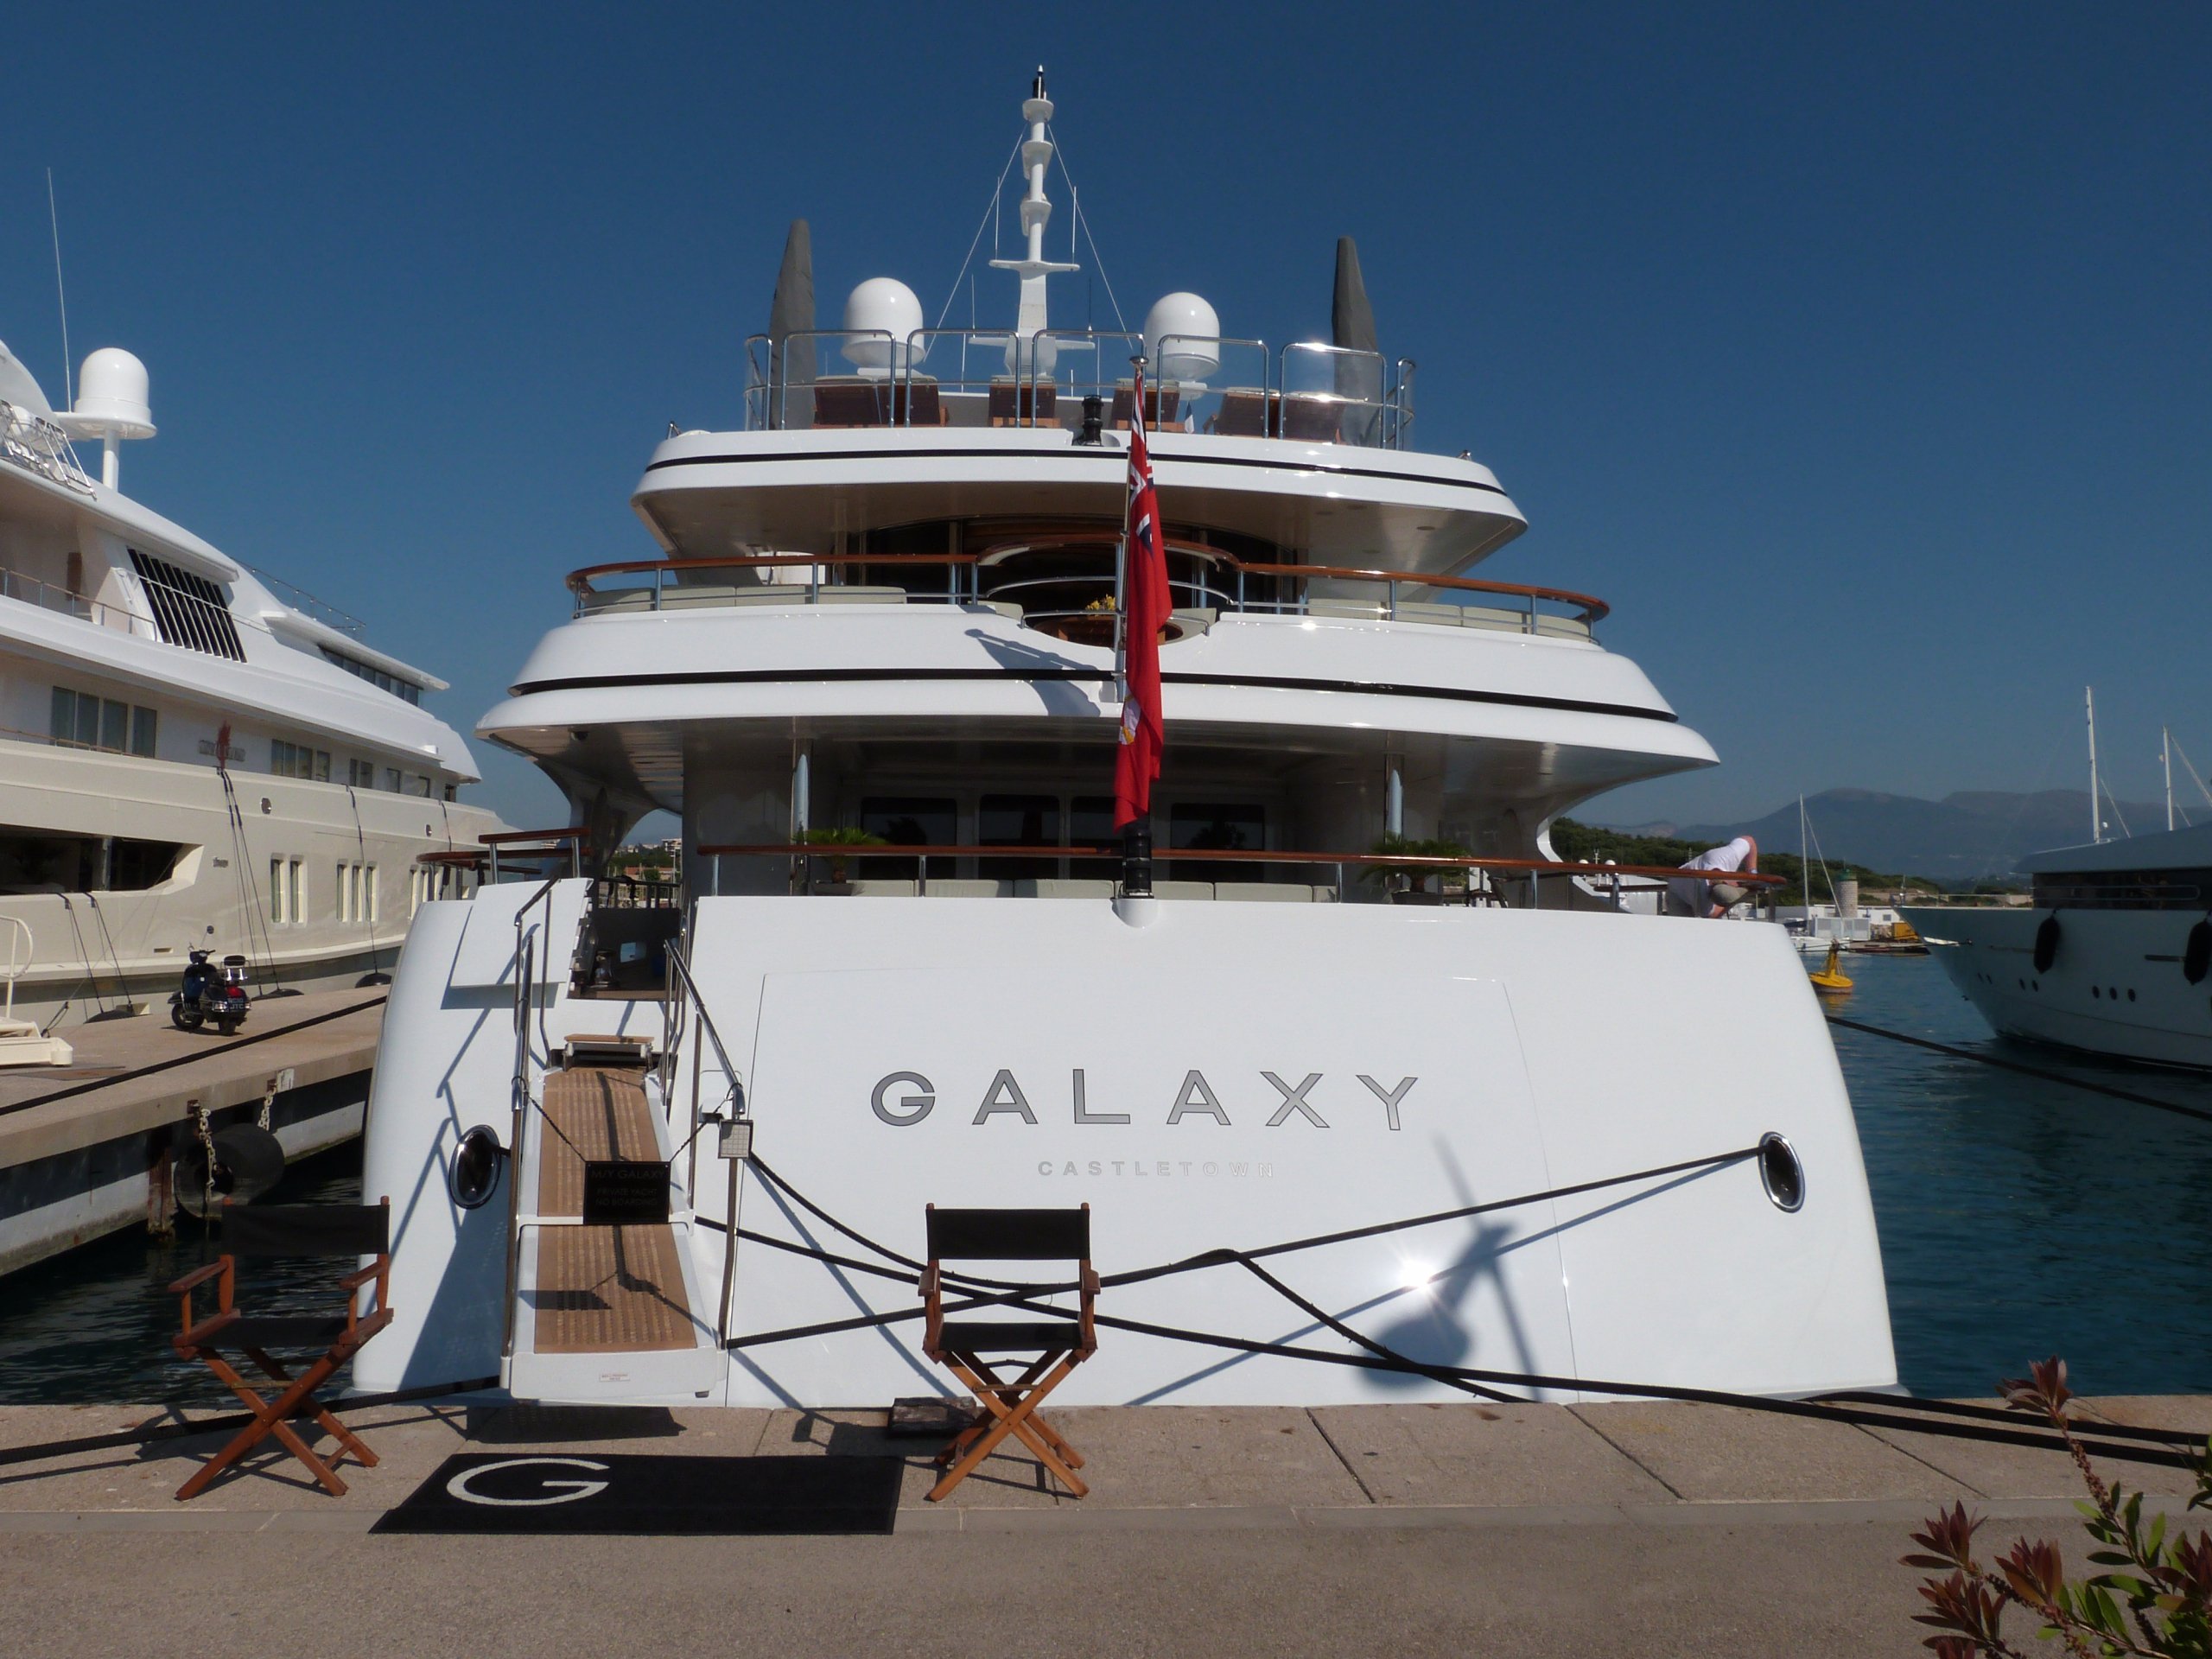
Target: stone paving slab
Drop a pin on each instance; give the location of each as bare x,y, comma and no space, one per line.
1989,1468
1491,1454
1707,1453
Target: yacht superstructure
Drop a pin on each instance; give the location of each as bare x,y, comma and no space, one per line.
186,760
873,668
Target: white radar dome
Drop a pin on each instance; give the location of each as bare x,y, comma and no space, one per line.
1191,331
112,391
879,306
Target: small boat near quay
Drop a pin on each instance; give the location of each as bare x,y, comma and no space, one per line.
678,1151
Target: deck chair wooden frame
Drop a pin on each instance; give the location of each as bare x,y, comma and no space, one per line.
287,1229
978,1351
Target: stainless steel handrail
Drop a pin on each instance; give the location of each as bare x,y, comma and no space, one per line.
681,968
768,396
524,965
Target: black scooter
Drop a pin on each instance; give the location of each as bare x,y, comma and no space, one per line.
210,993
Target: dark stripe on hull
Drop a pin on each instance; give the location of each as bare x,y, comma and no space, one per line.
1246,682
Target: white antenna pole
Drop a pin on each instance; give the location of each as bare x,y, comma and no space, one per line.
2096,800
62,294
1036,211
2167,759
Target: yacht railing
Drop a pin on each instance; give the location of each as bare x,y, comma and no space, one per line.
51,596
39,446
1047,582
1504,874
188,622
525,854
1305,391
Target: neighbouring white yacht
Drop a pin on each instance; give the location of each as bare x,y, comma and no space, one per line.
872,666
2111,956
186,760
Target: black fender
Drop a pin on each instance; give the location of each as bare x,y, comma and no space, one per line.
2197,955
2047,943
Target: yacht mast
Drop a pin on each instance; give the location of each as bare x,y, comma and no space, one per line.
1036,213
2166,761
2096,801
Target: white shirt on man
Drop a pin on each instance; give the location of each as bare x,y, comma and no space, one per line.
1694,898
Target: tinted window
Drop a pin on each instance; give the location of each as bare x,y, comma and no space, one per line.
1090,823
906,821
1212,826
1017,820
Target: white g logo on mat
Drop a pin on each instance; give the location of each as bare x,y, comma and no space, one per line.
557,1492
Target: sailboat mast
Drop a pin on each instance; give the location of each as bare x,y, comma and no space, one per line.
2096,804
2166,761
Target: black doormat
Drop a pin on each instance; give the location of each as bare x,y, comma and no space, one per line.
602,1493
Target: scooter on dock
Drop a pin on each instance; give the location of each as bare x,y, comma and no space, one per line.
210,992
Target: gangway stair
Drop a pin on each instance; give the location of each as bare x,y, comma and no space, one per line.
604,1311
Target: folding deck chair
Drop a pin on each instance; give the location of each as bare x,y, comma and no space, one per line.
1052,1347
352,1229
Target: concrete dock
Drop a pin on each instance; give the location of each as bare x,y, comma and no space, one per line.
97,1159
1624,1529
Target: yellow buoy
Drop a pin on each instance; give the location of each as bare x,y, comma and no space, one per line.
1832,980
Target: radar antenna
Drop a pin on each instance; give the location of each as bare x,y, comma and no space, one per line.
1036,213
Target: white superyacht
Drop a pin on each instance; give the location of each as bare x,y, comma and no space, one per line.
872,666
187,761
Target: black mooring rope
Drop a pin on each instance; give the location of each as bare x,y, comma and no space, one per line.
1967,1421
2037,1072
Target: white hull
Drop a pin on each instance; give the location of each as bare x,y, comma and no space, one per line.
1528,1051
108,948
2115,985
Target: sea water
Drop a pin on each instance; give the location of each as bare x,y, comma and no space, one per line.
2019,1217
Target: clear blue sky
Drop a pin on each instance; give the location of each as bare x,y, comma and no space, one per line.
1863,361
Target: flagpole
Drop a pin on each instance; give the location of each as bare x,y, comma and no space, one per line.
1136,837
1121,618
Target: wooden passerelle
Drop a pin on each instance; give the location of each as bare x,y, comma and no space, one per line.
601,1290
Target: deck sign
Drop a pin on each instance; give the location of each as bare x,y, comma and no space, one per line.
625,1192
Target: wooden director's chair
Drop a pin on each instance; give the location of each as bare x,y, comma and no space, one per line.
349,1230
1058,1346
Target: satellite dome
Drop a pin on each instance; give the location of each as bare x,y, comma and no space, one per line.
880,306
112,391
1191,330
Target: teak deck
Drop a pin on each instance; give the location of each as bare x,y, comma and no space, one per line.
601,1290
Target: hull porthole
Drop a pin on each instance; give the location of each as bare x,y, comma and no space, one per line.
2197,955
1780,1173
2046,944
475,1175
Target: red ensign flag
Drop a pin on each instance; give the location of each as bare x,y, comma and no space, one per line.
1147,605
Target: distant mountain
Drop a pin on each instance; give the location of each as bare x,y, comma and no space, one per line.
1973,835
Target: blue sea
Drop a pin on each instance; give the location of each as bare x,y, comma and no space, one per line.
2019,1218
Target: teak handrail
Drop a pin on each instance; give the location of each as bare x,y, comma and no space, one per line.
1594,609
506,837
1237,855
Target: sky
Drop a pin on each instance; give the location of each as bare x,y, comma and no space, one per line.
1860,357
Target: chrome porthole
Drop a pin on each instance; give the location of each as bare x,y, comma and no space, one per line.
474,1174
1780,1174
